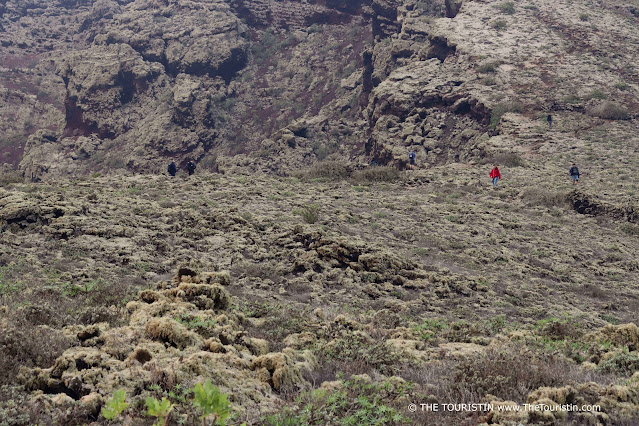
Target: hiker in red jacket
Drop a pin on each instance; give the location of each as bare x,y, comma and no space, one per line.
495,175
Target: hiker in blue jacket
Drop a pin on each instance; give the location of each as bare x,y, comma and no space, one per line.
411,159
574,173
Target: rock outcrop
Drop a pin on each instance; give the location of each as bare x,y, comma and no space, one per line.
182,334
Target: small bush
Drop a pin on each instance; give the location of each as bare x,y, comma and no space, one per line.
572,99
610,111
310,213
374,174
8,178
543,197
584,17
211,402
488,81
622,86
507,8
23,344
358,402
621,364
353,354
502,108
508,159
509,373
115,406
630,229
488,67
331,170
499,25
597,94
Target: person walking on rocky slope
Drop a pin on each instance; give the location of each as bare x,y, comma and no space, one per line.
411,159
495,175
549,120
172,168
574,173
190,167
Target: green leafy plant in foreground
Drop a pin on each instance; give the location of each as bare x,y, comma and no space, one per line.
115,406
211,401
358,402
160,409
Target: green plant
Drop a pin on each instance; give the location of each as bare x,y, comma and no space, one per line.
572,99
488,81
488,67
376,174
499,25
584,17
10,177
623,363
358,402
195,322
211,402
621,85
427,329
115,406
354,354
310,213
160,409
507,8
597,94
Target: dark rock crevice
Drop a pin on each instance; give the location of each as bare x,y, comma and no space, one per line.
589,205
440,49
452,7
385,21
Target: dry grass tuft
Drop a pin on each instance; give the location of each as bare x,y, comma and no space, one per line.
610,111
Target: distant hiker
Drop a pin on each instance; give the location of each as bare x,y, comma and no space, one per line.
495,175
190,167
549,120
411,159
172,168
574,173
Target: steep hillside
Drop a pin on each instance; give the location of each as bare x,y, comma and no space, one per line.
431,283
305,269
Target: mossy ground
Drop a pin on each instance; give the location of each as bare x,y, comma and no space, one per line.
407,278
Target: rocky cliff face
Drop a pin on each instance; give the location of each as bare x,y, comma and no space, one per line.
273,85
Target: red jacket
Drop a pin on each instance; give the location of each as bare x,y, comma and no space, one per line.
495,173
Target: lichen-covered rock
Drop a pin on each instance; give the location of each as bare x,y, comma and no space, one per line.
277,370
162,344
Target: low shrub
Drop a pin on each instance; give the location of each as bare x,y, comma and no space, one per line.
502,108
510,374
623,363
597,94
359,401
24,345
507,8
374,174
350,354
508,159
543,197
310,213
499,25
8,178
610,111
331,170
488,67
